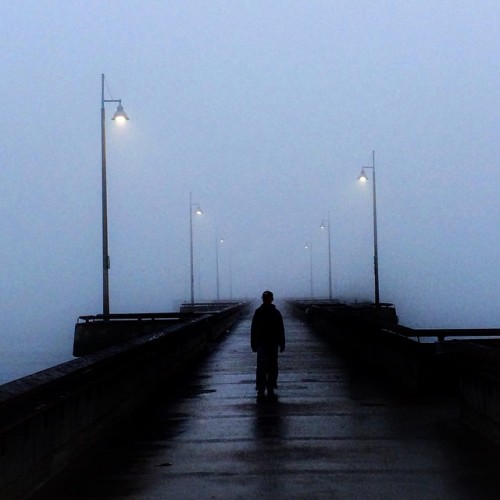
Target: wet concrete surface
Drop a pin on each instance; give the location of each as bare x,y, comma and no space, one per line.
337,430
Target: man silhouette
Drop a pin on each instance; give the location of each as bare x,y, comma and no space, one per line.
267,335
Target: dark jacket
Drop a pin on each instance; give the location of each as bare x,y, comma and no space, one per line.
267,328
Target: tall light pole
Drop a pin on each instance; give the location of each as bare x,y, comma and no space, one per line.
308,246
327,226
363,178
230,277
218,241
119,116
197,212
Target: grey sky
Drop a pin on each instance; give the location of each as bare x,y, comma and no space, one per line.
265,111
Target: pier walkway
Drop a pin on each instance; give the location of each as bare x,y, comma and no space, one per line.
337,430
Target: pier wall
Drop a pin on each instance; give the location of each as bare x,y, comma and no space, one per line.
47,419
378,342
464,363
478,364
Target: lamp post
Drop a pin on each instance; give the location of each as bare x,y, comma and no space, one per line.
308,246
230,277
327,226
218,241
120,116
363,178
197,212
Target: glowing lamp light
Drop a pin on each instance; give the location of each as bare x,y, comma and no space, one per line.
120,116
198,211
362,176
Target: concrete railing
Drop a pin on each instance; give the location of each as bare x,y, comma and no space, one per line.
478,365
417,358
47,419
93,333
463,362
378,341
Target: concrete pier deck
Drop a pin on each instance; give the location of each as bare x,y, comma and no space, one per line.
337,430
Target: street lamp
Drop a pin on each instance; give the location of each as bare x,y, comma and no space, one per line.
363,178
218,241
308,246
327,226
120,116
230,277
197,212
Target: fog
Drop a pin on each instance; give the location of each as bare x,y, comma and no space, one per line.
265,112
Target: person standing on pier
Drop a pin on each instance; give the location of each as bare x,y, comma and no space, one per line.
267,336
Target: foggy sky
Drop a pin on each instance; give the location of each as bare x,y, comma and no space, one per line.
266,112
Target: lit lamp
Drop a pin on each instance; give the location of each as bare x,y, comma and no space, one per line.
230,277
364,178
120,117
308,246
327,226
196,212
218,241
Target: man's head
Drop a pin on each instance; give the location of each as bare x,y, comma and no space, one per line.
267,297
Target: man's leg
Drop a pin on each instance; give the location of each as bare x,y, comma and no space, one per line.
261,373
272,366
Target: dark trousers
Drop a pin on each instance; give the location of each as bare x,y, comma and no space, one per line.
267,368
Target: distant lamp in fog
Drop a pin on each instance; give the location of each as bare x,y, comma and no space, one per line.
363,178
323,227
308,246
218,241
197,211
119,116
